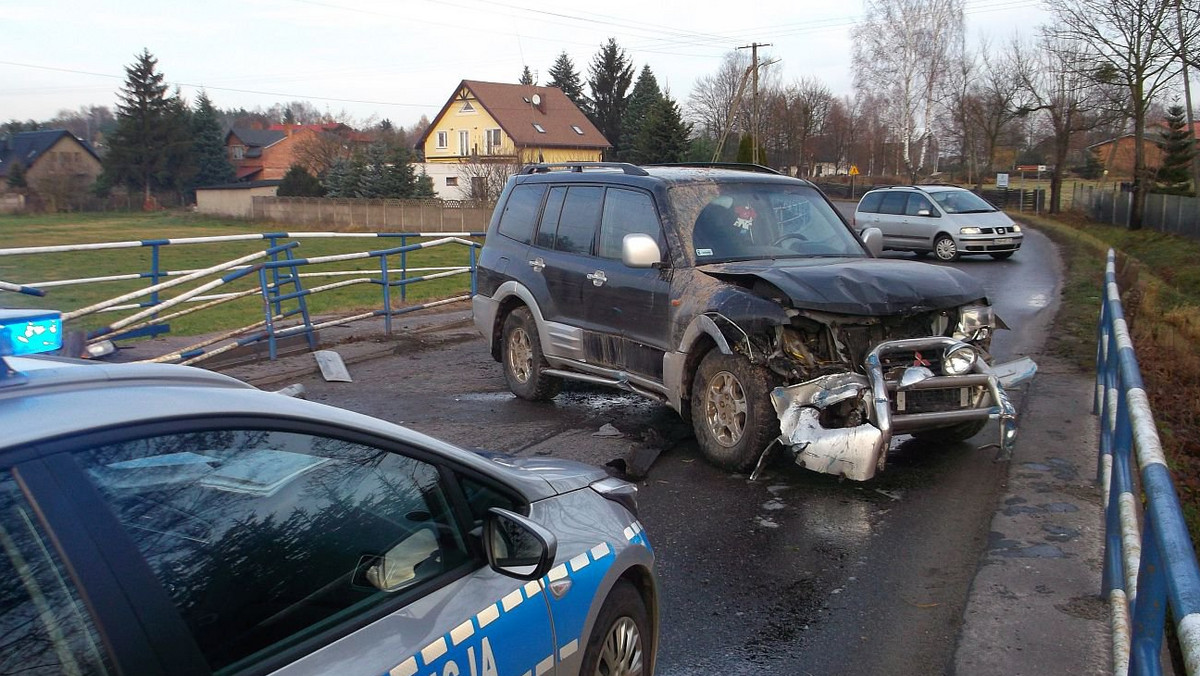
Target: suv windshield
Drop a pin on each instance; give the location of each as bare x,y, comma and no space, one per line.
961,202
748,220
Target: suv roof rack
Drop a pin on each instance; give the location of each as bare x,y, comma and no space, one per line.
739,166
578,167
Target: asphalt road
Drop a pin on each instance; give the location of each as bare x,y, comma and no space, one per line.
797,573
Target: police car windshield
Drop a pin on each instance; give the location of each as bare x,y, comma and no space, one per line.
961,202
749,220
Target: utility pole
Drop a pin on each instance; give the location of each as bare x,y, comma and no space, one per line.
753,47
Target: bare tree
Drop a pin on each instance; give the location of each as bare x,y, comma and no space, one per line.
902,50
485,180
1125,39
996,101
794,115
710,107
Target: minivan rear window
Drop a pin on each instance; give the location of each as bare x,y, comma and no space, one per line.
870,203
893,203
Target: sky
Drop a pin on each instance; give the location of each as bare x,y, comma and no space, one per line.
369,60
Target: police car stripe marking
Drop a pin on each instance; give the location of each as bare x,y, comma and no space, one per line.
487,616
600,551
579,562
527,673
512,600
568,650
544,666
558,572
433,651
629,533
533,589
406,668
462,632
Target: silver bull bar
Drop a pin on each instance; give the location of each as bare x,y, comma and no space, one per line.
858,452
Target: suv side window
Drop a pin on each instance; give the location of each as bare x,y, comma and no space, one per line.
893,203
580,216
917,202
520,212
870,202
626,212
47,629
263,539
549,224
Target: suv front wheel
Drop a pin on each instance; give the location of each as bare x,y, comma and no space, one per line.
731,411
523,360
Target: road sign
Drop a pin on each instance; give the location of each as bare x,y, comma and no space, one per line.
1001,180
854,170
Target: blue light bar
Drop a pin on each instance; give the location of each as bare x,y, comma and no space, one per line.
29,332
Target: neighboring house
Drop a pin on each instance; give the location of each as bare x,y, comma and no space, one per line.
490,122
58,166
448,179
267,154
1116,155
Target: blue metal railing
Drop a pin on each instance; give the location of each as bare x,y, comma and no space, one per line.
1146,573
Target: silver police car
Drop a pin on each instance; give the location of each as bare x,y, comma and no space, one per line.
161,519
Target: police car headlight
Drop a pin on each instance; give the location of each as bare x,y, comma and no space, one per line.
959,360
974,322
969,231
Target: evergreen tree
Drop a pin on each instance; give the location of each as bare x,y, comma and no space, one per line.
663,137
180,167
138,150
374,181
745,153
423,187
1179,147
645,95
526,76
611,74
297,182
208,146
342,179
564,76
16,175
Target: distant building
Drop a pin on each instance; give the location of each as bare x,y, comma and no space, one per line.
1116,155
267,154
59,168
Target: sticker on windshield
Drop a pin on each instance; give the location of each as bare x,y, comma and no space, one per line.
703,252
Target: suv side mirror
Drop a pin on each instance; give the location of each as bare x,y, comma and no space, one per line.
516,546
873,238
639,250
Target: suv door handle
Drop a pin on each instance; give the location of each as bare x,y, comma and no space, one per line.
598,278
537,264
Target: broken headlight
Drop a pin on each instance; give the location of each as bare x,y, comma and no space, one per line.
975,322
959,360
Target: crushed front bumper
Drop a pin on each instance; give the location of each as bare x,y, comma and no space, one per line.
858,452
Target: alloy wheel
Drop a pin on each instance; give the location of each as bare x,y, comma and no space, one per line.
725,408
622,651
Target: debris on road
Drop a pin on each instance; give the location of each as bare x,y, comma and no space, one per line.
333,370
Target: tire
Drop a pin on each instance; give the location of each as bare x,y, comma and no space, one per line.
952,434
944,248
523,360
618,642
922,254
1003,255
732,415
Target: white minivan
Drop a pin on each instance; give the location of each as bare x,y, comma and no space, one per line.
944,220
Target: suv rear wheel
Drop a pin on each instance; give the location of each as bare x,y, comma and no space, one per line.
523,360
731,411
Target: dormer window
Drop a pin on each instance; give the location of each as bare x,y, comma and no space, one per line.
540,129
577,129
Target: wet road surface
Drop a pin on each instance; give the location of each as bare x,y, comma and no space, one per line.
797,573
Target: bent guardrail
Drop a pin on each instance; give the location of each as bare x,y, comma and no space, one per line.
1148,572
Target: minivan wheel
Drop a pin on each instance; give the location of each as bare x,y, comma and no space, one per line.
731,412
945,249
523,360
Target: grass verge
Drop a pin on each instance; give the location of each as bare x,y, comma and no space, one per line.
1159,278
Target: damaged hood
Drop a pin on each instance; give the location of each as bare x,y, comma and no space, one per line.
866,286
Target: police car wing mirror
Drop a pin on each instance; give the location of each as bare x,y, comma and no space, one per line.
516,546
639,250
873,238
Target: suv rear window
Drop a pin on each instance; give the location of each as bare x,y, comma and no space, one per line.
520,212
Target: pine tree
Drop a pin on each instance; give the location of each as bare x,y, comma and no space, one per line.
611,74
564,76
297,182
180,166
374,180
645,95
526,76
1179,147
138,149
663,137
342,179
208,146
745,153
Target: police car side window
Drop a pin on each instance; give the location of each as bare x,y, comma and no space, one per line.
264,539
520,212
46,627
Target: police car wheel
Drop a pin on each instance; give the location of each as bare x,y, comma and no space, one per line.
618,643
732,415
523,360
952,434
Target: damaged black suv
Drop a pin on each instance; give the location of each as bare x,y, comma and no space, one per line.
743,300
